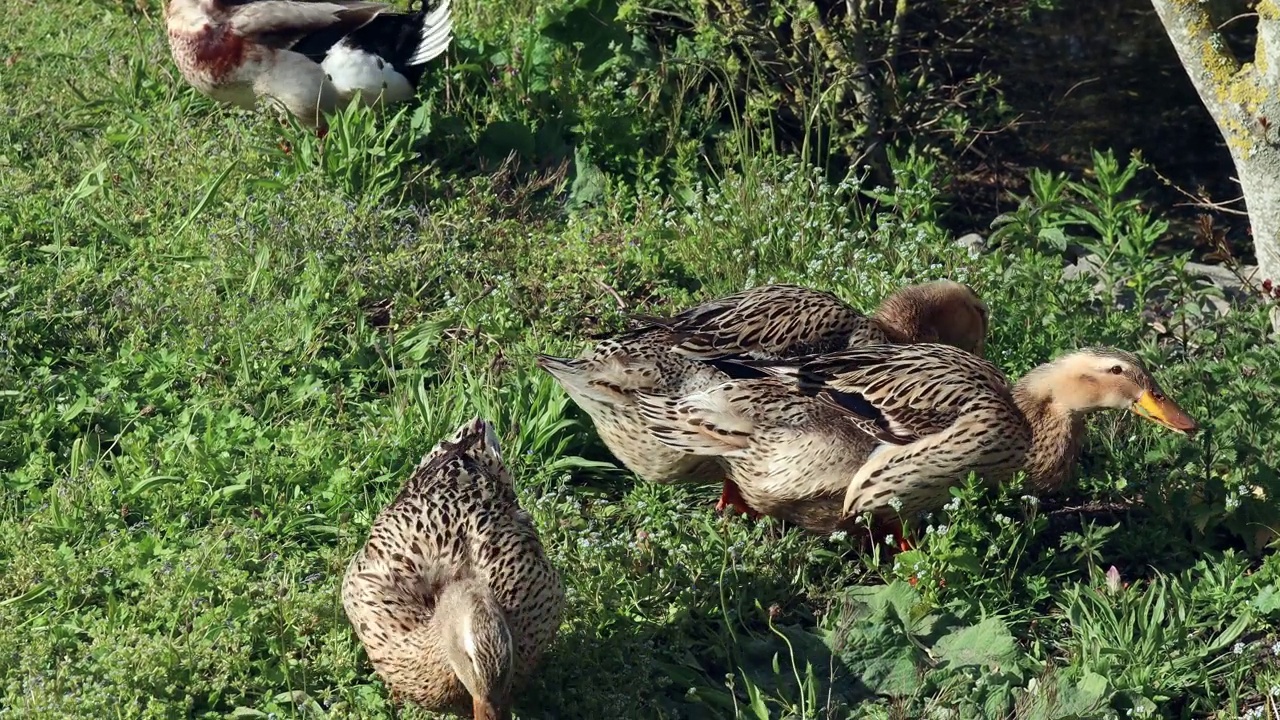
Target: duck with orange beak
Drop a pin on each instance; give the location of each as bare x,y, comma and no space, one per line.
889,429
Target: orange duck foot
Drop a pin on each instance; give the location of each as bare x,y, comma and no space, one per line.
894,529
731,497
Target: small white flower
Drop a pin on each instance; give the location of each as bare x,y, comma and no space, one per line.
895,503
839,536
1238,648
1275,648
888,539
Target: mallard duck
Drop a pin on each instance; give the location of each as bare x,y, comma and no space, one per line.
452,595
862,430
308,56
787,321
668,356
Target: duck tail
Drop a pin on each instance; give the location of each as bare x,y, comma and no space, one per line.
436,35
587,381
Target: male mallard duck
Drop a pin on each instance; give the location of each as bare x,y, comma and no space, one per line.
666,356
850,431
452,595
309,56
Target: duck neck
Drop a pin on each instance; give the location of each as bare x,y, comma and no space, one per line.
478,644
1056,429
899,329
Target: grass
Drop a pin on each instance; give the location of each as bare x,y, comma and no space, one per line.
217,362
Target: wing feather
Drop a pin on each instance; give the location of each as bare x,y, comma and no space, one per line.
769,321
896,393
282,23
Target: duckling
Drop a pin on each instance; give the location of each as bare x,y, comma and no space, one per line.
308,56
452,595
680,355
887,429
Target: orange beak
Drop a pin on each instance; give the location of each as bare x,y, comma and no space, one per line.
1160,409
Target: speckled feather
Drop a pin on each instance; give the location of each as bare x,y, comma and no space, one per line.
897,425
457,517
896,393
862,426
790,455
694,349
937,412
770,321
604,383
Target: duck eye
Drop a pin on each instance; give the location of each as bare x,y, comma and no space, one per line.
1116,370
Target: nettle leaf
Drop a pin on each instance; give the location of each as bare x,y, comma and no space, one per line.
1055,237
987,644
589,182
898,597
874,640
886,663
1061,698
1082,698
1268,600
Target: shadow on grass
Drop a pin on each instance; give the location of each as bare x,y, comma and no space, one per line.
681,668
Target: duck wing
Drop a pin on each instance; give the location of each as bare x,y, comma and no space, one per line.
770,321
896,393
284,24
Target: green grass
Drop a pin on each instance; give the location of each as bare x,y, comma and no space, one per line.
218,362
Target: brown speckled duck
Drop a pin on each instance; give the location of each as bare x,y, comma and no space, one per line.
836,435
788,321
309,56
670,357
452,595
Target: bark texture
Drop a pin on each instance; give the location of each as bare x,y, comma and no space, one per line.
1244,101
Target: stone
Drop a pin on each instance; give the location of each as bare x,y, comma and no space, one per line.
974,243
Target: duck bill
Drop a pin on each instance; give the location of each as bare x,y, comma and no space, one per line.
1165,412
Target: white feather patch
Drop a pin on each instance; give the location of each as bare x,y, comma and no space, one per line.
437,33
352,71
491,439
468,638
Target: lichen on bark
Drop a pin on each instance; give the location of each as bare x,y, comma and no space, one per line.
1244,102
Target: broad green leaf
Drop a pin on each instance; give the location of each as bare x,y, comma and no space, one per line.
1268,600
989,643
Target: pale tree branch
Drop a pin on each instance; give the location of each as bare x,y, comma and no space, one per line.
1208,61
1267,56
1244,101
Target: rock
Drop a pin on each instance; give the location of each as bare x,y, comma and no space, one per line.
974,243
1234,286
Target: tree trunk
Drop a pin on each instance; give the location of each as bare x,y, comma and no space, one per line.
1244,101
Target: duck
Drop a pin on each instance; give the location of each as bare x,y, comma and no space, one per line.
452,595
309,57
784,320
888,429
693,350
